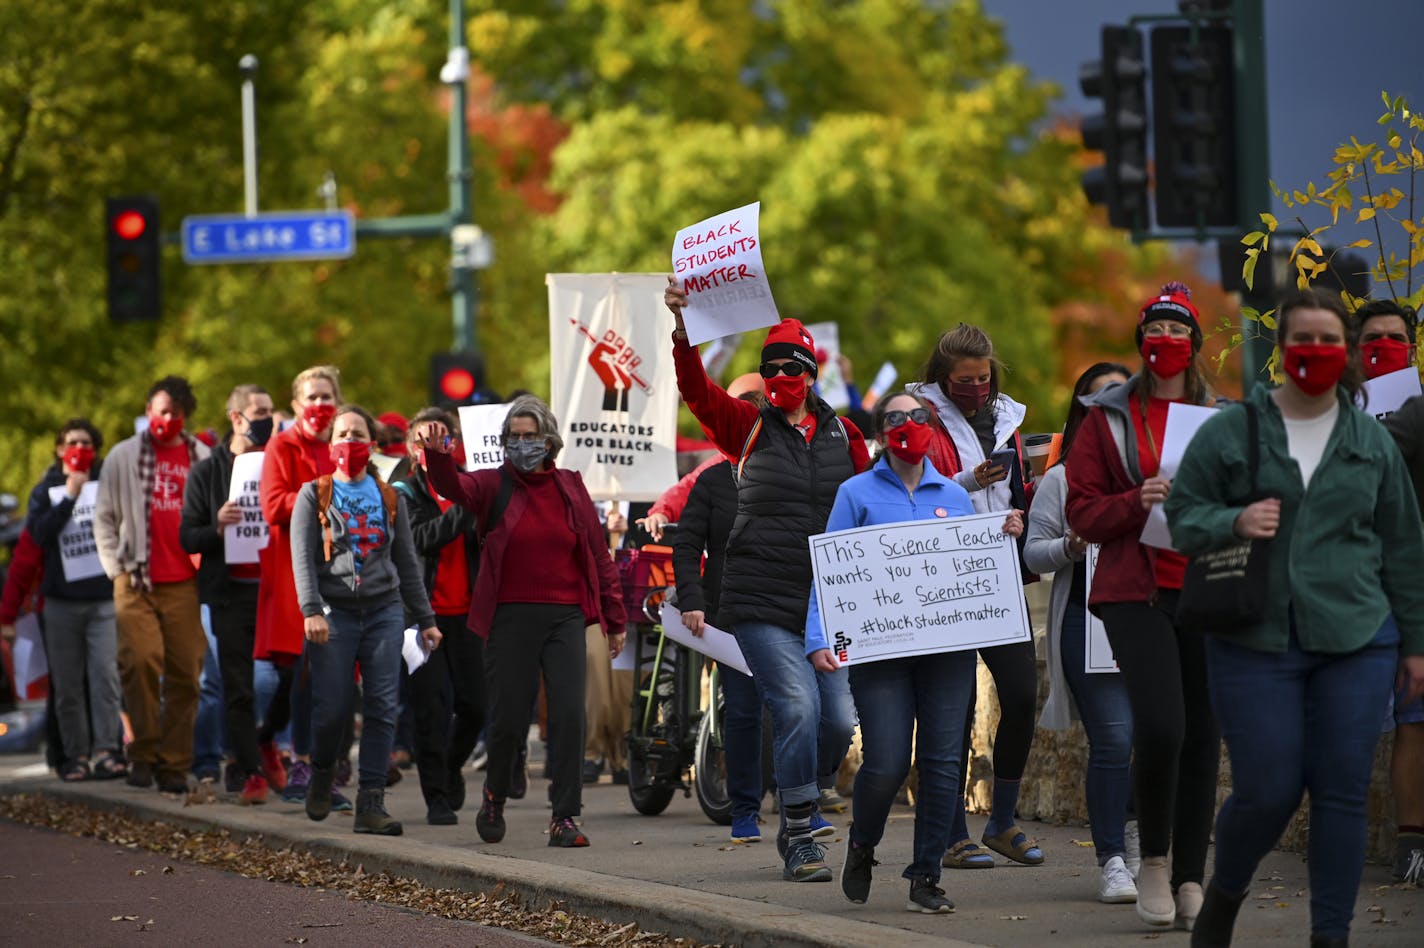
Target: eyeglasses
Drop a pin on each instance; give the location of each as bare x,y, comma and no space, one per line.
527,436
78,442
1167,327
792,368
894,419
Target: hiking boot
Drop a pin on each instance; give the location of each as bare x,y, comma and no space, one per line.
272,767
489,822
566,834
805,861
371,815
140,774
855,874
438,813
295,789
254,791
746,830
927,898
318,799
831,801
1116,885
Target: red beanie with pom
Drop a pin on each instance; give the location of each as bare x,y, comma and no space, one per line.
790,340
1174,302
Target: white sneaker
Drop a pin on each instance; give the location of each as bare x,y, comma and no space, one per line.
1116,885
1132,848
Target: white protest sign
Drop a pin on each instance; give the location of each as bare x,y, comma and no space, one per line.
831,382
31,665
612,381
243,540
917,588
1387,393
1182,424
713,642
78,553
480,426
385,465
718,264
1097,652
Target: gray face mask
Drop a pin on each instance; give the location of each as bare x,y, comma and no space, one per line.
526,455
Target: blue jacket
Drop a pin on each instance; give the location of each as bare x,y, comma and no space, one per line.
878,496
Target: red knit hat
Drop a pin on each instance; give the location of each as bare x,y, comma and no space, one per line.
1174,302
395,420
790,340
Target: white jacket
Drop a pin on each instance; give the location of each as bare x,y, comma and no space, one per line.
1008,416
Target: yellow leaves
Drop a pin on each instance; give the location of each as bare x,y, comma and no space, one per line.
1270,221
1268,319
1253,238
1248,269
1362,242
1366,214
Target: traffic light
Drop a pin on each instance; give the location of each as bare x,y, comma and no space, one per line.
1194,126
1120,133
134,246
457,378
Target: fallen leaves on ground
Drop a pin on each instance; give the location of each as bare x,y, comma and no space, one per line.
501,907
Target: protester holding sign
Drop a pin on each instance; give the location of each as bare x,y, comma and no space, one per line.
976,430
80,634
230,589
1300,694
917,702
1099,700
793,453
1113,484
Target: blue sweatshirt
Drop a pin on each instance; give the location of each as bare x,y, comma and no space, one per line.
878,496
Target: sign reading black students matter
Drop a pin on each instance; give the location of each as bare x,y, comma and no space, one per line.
918,588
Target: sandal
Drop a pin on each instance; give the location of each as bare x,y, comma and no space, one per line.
966,854
74,771
1013,843
110,767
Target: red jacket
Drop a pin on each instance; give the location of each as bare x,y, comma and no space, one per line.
286,467
26,574
672,501
601,596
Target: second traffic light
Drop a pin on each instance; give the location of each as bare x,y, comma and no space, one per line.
1120,133
1194,125
134,245
458,378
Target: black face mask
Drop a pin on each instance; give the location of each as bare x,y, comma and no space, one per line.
259,429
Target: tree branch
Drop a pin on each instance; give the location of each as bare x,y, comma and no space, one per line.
1379,234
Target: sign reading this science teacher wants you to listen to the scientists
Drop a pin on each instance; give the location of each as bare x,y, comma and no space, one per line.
918,588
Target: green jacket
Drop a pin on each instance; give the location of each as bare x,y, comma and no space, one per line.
1349,551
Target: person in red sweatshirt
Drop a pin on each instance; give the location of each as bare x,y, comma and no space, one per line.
544,576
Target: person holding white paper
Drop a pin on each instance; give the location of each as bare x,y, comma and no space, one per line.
80,633
1099,700
917,702
1113,484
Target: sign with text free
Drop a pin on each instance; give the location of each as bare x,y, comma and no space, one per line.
284,235
918,588
243,542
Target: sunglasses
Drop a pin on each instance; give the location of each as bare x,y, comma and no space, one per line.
894,419
792,368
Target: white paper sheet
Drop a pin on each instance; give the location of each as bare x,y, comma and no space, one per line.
1182,424
1388,392
413,650
714,643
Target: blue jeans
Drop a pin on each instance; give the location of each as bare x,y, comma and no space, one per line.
1107,718
741,741
208,725
812,714
373,637
922,701
1294,722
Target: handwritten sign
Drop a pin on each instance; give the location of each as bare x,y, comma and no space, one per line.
78,553
1098,653
718,263
243,540
917,588
480,426
1388,392
1182,424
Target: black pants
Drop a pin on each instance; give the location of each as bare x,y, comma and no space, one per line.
1015,671
448,697
1176,747
235,628
524,639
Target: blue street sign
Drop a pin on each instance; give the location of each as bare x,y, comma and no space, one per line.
284,235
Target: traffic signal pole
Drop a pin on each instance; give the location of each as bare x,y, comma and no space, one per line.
1253,165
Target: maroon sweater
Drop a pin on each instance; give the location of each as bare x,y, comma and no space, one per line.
541,562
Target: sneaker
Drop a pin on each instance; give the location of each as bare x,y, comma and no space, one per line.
254,791
1116,885
140,774
339,802
233,779
805,861
1409,859
831,801
855,874
343,773
566,833
1132,849
821,827
592,770
295,789
480,757
928,898
489,822
272,767
746,830
439,813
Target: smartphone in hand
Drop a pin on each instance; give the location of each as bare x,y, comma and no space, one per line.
1004,458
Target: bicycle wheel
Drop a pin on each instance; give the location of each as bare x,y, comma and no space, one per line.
648,787
710,767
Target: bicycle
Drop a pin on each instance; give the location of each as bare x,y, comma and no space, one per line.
710,758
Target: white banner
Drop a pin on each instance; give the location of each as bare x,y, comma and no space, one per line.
1388,392
243,540
718,263
78,553
830,382
921,587
480,426
1097,652
612,381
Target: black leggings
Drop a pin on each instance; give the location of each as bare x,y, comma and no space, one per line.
1015,671
1176,746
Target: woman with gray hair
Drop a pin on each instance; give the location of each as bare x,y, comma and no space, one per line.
544,576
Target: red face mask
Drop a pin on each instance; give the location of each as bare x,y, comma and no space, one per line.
1314,368
318,417
351,457
79,458
165,429
1166,356
969,396
1383,356
908,442
786,392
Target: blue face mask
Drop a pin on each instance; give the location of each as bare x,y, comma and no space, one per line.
526,456
259,429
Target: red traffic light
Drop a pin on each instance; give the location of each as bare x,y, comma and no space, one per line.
457,384
130,225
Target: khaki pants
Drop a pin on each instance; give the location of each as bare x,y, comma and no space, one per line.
161,649
608,697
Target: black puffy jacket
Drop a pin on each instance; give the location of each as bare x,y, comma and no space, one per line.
705,523
433,530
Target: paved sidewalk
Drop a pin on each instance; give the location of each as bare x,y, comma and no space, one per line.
677,873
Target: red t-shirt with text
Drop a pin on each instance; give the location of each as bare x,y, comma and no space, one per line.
1170,567
168,562
452,575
